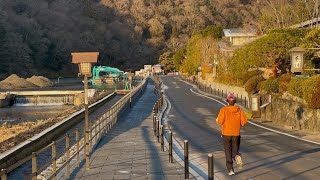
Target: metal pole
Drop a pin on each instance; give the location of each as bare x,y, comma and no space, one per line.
77,147
130,99
154,124
210,167
54,159
158,126
34,166
67,156
162,136
86,122
4,175
245,101
170,147
186,160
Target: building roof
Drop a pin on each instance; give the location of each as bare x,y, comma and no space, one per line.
239,32
312,22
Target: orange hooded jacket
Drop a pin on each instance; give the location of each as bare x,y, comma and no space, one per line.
231,118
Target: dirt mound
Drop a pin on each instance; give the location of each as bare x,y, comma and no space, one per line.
40,81
14,82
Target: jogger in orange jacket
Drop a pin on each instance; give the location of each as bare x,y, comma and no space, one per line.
231,118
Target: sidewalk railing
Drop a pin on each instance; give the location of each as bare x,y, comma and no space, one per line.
71,146
159,132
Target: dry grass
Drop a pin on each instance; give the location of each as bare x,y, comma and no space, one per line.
8,131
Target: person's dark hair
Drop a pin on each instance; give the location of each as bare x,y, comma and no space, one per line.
231,102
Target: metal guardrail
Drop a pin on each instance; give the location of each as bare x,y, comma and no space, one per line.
158,129
243,100
62,160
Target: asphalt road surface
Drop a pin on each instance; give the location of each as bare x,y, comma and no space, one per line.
266,154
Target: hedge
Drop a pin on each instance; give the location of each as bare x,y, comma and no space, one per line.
252,85
311,92
284,81
295,87
270,85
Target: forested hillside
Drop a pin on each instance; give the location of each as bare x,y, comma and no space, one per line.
37,36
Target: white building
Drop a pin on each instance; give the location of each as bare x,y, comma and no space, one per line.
239,36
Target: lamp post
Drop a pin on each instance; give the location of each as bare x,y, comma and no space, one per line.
84,61
296,57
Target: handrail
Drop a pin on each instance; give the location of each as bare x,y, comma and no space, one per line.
103,123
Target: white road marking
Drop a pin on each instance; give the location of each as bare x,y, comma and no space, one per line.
275,131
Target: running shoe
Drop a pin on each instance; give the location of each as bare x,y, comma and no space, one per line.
231,173
239,161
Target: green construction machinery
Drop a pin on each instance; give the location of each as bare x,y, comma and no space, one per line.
104,75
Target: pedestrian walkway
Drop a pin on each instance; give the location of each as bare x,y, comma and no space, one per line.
130,151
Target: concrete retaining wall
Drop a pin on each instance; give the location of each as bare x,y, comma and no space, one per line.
6,99
41,140
226,88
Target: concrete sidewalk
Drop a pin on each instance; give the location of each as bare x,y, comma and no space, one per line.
130,151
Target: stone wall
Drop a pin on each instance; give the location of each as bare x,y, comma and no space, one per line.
289,113
281,111
226,88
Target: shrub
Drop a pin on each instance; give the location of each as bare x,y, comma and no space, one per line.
295,87
284,81
249,75
311,92
270,85
252,85
213,31
264,52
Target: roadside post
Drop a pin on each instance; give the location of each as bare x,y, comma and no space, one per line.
157,133
186,159
210,167
170,147
162,138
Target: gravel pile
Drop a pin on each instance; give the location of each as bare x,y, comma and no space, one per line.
40,81
15,82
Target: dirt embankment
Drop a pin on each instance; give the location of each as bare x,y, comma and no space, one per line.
15,82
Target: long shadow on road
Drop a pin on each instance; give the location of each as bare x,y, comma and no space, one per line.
128,150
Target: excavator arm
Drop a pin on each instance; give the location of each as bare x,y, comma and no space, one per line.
109,71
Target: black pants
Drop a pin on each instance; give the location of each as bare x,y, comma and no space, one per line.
231,149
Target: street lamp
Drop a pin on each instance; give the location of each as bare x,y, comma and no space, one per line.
84,61
296,56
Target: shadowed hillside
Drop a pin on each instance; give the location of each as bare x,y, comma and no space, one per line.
37,36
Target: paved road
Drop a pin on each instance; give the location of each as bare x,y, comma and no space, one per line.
130,150
267,155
